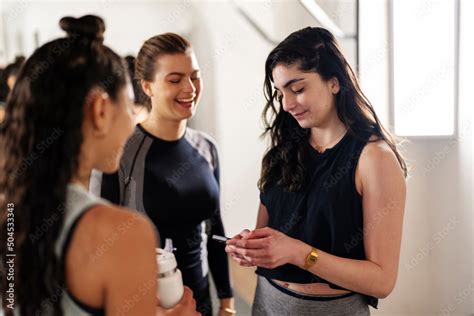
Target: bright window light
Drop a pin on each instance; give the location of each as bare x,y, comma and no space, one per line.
425,67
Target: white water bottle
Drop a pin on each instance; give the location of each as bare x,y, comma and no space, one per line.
170,281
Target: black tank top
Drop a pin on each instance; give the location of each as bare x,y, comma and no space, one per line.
326,214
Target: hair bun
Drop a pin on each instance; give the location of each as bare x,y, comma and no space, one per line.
90,26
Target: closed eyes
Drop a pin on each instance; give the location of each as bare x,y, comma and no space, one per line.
179,80
279,95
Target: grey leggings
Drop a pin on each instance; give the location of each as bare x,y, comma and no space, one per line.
272,301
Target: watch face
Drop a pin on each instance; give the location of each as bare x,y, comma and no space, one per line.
311,259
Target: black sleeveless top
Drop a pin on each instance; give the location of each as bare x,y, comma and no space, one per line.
326,214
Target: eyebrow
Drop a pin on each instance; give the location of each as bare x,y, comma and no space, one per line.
289,83
181,74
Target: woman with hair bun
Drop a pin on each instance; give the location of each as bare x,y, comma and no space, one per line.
72,253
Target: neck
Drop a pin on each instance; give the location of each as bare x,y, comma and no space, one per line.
326,136
83,172
82,178
163,128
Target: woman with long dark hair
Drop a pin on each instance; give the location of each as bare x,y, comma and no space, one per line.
170,172
328,233
69,253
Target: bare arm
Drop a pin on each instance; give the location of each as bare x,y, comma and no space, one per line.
111,264
130,267
131,285
383,196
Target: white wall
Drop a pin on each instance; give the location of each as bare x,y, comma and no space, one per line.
3,50
374,53
234,56
128,24
436,265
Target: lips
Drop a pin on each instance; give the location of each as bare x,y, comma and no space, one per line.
299,114
186,103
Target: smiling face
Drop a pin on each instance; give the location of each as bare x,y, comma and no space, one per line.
306,95
176,87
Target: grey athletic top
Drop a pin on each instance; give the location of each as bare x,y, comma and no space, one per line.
78,202
176,184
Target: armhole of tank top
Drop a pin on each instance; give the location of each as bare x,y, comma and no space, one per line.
86,308
354,182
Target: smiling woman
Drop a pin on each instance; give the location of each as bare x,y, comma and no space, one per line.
171,172
332,189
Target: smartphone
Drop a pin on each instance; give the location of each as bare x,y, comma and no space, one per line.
221,239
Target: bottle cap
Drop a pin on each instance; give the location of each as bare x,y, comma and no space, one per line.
166,259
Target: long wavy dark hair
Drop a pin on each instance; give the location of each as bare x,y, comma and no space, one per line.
39,145
313,49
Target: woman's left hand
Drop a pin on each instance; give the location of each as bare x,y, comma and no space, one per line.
265,247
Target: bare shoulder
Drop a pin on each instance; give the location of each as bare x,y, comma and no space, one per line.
377,162
377,153
124,227
108,216
106,240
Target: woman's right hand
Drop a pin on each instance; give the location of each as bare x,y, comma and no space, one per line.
235,256
186,306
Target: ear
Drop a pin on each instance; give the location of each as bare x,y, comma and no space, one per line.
100,112
146,87
334,85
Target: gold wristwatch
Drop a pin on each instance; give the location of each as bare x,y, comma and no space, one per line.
311,259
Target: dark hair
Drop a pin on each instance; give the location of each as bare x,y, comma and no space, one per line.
40,143
139,96
167,43
313,49
14,68
3,87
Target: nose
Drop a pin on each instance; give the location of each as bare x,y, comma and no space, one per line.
189,86
288,102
